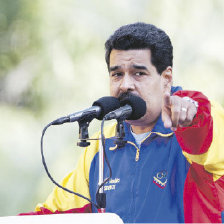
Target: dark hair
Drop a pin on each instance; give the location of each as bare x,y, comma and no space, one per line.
142,36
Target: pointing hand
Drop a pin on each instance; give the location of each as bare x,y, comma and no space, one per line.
177,111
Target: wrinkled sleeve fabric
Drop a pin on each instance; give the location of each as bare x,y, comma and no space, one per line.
202,142
202,145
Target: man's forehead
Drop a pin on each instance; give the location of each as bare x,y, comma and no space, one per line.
138,57
132,65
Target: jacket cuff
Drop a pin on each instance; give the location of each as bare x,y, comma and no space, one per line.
196,138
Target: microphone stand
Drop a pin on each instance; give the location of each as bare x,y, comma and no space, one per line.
120,142
83,133
101,197
120,134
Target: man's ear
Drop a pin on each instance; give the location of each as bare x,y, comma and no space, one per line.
167,78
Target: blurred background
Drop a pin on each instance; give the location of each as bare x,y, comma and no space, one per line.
52,64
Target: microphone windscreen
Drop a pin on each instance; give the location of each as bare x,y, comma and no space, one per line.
107,104
138,106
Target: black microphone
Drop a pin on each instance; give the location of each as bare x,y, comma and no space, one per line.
98,110
133,108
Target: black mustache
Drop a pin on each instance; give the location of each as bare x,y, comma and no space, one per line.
125,95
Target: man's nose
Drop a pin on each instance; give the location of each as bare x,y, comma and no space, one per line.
127,83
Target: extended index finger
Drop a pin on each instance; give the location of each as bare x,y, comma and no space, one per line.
166,110
166,99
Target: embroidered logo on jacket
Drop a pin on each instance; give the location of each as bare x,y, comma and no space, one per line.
112,184
160,179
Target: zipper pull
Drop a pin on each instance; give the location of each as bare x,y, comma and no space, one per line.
137,155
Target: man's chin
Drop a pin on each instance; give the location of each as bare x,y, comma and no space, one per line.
139,122
143,122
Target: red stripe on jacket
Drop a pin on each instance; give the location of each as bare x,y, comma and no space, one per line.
203,201
203,197
44,211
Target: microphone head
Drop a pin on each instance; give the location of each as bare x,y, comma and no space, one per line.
137,103
107,104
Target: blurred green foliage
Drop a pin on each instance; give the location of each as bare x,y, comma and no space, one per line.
19,41
52,63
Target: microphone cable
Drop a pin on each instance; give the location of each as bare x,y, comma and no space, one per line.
101,197
51,178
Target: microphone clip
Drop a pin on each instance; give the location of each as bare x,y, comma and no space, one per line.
120,134
83,134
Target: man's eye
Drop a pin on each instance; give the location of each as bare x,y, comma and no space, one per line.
139,73
117,74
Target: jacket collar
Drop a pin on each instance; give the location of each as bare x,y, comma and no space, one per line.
158,129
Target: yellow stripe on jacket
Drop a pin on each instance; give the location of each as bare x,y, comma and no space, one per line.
213,159
77,180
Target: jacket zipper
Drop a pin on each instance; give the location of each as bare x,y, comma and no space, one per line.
138,150
137,154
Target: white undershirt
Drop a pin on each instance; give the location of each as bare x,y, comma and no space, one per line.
139,137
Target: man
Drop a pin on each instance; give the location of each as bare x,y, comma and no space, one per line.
171,168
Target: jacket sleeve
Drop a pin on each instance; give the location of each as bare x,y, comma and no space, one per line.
60,201
202,142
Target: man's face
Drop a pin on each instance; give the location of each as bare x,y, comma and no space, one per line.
132,71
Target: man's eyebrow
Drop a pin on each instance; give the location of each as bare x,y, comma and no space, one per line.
114,68
140,67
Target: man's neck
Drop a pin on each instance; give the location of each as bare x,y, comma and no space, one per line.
140,129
